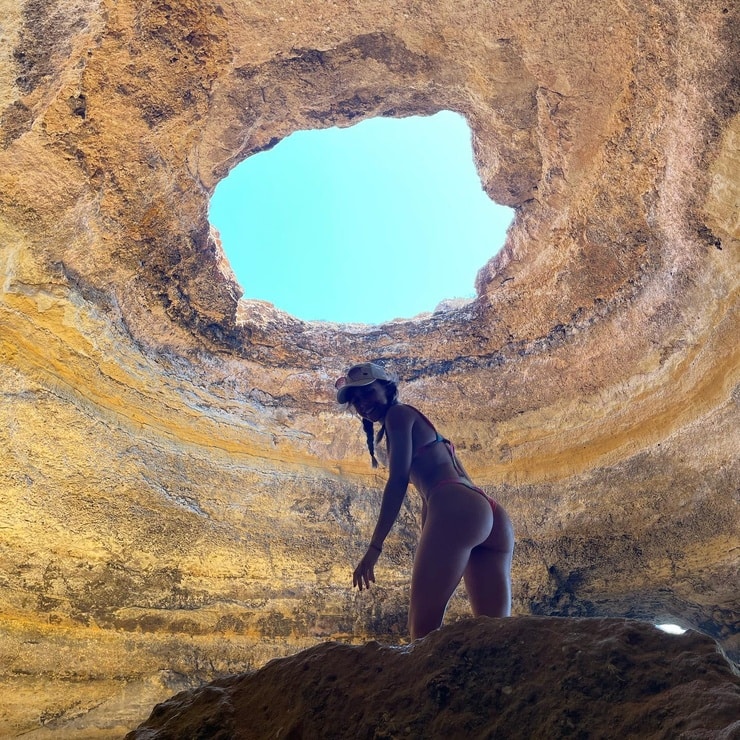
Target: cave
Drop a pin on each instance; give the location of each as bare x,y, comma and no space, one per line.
182,496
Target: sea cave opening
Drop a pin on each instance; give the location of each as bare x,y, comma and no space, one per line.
384,219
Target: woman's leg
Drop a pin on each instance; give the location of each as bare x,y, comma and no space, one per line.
457,520
488,572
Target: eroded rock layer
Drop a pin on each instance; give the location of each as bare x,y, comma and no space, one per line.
181,498
517,678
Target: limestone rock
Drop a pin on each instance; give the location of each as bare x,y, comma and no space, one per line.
516,678
181,498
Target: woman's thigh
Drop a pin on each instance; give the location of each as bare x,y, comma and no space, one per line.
458,520
488,572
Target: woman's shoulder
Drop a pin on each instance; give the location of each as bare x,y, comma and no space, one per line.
399,412
402,413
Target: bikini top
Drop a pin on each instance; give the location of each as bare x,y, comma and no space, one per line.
439,438
431,444
424,448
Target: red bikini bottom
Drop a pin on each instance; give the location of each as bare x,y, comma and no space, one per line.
467,484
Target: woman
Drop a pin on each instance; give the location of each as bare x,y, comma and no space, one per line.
465,534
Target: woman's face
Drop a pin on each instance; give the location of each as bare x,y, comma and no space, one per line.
370,401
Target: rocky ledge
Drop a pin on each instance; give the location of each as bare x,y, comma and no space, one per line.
513,678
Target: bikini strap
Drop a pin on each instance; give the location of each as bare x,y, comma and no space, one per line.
455,462
434,429
381,431
447,443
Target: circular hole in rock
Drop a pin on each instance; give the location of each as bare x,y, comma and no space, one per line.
385,219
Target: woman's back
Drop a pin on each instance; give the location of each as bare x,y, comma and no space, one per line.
433,459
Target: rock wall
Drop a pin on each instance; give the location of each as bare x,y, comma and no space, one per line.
181,497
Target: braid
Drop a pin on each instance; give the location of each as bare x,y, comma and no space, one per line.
367,425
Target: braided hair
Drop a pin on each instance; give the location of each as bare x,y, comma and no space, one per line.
392,392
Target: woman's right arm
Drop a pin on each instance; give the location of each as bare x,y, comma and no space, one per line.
398,425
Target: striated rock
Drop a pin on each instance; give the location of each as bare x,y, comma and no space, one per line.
180,497
518,678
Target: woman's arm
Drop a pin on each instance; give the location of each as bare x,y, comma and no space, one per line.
399,422
398,425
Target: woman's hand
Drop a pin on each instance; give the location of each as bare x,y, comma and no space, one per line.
365,571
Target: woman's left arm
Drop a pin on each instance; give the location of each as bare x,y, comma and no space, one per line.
398,425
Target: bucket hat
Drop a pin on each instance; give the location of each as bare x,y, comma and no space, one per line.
357,376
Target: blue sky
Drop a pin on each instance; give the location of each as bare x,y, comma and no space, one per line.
377,221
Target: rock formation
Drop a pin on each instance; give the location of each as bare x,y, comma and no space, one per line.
181,497
517,678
